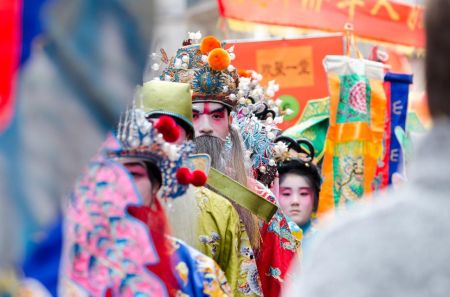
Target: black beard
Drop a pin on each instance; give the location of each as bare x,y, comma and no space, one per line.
214,147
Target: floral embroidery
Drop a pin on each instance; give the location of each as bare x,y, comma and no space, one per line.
211,241
214,283
278,223
251,284
275,273
199,274
202,197
183,272
281,228
279,248
181,294
349,177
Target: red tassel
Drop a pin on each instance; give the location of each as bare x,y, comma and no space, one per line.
199,178
108,292
184,176
140,212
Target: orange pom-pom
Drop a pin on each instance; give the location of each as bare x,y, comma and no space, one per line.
208,44
199,178
244,73
219,59
184,176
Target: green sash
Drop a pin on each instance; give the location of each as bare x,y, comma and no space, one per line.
240,194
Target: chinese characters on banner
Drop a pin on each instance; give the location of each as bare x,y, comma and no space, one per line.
295,64
380,20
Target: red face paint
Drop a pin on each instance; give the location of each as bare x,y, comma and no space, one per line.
210,119
137,170
206,109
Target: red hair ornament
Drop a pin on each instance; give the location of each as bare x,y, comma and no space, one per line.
196,178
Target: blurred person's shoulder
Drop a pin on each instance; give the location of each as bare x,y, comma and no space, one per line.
396,244
422,201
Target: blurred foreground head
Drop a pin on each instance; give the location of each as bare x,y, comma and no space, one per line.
84,66
437,57
101,48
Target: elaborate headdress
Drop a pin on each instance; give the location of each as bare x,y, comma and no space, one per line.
258,137
252,92
256,119
291,148
142,140
298,155
206,66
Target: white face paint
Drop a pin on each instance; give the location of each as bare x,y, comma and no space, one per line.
296,198
211,119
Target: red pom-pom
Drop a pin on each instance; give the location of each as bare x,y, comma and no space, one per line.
199,178
165,123
184,176
172,135
168,128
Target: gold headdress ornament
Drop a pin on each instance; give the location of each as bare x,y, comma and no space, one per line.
206,66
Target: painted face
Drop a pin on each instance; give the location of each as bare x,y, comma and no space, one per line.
139,172
296,198
211,119
181,139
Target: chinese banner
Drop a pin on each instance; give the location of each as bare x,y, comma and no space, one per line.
295,64
398,85
380,20
313,125
10,46
381,180
355,137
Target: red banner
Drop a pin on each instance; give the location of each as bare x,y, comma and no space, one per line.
380,20
295,64
10,20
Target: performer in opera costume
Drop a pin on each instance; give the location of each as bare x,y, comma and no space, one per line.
206,67
204,219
